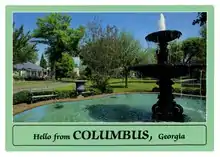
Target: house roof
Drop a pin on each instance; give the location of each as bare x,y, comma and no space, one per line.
28,66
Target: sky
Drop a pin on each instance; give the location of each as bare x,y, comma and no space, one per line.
138,24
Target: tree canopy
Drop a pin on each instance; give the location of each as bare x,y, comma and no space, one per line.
128,49
193,49
201,19
64,66
98,52
54,30
23,49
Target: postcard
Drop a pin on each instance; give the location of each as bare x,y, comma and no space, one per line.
116,78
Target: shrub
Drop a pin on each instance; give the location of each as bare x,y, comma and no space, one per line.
155,89
65,94
25,96
95,91
82,77
21,97
18,78
108,90
73,75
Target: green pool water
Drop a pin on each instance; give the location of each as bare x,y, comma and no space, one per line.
115,108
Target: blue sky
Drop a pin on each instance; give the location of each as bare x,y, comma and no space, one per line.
139,24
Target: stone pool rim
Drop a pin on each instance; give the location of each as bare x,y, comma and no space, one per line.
47,102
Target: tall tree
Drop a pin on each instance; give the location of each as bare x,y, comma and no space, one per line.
99,53
54,31
43,62
202,20
128,49
23,49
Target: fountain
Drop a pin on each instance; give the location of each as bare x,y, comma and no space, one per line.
166,109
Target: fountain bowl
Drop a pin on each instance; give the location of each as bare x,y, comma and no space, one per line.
168,70
163,36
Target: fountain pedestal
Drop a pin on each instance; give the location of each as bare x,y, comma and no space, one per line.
165,108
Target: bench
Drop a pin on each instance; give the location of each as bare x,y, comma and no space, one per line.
50,94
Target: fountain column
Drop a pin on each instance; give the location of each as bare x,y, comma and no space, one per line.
164,107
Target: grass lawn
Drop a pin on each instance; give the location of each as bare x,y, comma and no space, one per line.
27,83
134,85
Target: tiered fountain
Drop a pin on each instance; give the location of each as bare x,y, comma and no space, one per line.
166,109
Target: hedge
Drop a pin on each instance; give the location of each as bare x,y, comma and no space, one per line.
21,97
25,96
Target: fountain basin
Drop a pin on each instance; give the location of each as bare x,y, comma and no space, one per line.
163,36
132,107
168,70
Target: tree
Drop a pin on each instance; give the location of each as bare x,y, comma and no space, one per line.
147,56
128,49
151,56
43,62
64,66
203,32
99,52
175,52
194,50
54,31
201,19
23,50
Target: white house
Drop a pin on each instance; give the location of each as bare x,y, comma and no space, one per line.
29,69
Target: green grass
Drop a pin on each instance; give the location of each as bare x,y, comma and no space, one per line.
72,87
25,83
134,85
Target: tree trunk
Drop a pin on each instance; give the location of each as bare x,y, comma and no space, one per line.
126,78
54,72
126,81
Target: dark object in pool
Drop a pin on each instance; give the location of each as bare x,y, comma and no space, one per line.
58,106
113,97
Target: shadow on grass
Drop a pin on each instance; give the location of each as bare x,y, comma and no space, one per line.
124,113
66,81
134,81
117,86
